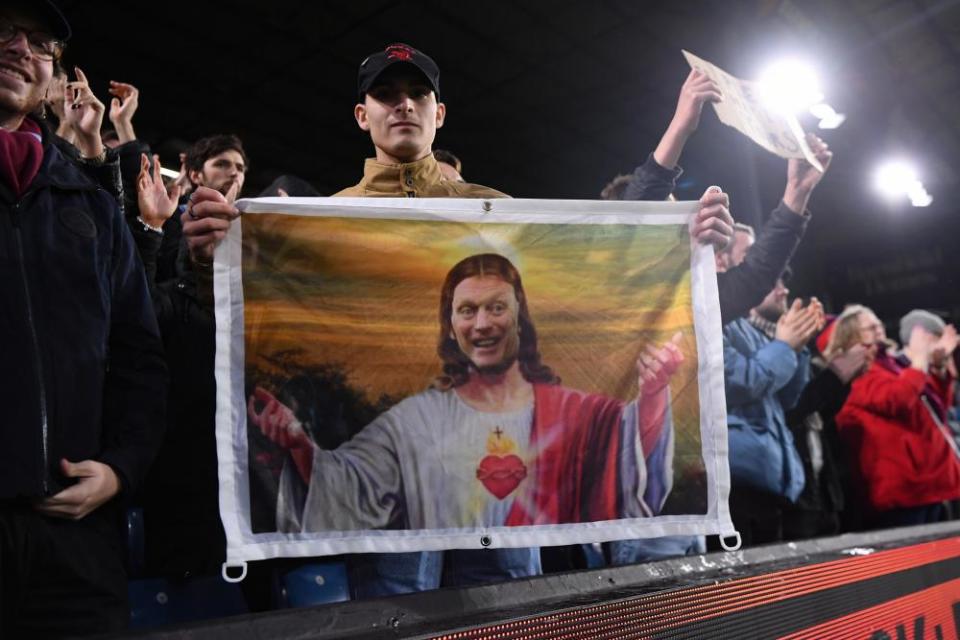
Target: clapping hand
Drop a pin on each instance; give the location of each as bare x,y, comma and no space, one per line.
155,202
799,323
83,112
126,99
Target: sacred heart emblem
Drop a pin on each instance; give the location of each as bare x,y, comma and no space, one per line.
501,474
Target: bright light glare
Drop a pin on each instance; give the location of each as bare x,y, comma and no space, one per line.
789,86
897,179
829,119
822,110
833,122
919,196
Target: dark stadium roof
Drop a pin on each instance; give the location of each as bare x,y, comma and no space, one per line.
552,99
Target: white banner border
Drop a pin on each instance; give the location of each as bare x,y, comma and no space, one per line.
244,545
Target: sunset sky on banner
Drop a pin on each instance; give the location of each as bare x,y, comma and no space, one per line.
364,295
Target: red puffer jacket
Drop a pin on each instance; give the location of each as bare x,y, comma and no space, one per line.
899,456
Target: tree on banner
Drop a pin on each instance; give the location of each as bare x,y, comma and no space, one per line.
496,440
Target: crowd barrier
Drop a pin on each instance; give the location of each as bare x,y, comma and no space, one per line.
898,584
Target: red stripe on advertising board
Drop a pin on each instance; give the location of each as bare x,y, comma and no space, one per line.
916,616
659,612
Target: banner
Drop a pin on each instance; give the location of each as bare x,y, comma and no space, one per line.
742,109
400,375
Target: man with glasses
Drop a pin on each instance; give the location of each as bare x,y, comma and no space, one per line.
82,379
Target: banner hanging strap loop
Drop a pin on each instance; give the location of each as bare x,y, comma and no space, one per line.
225,569
735,546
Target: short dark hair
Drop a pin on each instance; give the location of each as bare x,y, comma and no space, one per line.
616,188
206,148
442,155
743,227
108,134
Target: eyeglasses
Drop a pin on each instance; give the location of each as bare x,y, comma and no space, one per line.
43,45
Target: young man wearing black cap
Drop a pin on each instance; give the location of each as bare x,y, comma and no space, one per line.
399,92
398,105
82,379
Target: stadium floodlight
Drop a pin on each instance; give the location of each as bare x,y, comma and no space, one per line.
897,178
789,86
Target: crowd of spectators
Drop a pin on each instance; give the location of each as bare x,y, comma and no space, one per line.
108,367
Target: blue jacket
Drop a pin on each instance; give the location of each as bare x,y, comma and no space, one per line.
82,374
764,379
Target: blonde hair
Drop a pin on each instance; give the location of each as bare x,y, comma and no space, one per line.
846,330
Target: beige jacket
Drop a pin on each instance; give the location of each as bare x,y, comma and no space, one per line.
420,179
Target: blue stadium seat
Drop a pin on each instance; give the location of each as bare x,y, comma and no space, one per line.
313,584
160,601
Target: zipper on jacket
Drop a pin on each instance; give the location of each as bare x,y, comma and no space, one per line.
38,361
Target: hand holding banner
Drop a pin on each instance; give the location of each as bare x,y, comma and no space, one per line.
742,109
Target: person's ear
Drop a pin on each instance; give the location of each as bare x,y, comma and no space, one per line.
360,114
196,177
441,114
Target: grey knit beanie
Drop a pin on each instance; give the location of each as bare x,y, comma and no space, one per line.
918,317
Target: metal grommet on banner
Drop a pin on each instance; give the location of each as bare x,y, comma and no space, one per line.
225,567
487,205
485,541
731,547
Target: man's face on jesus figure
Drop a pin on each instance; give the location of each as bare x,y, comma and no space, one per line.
484,320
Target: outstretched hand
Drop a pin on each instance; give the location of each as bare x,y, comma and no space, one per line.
96,484
155,202
656,365
277,421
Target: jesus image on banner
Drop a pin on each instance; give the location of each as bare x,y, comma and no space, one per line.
496,440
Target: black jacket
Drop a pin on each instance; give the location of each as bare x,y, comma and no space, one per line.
819,403
745,286
180,496
82,374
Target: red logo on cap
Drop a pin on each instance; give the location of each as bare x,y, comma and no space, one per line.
399,52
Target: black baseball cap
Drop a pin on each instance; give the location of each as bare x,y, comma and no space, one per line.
377,63
47,13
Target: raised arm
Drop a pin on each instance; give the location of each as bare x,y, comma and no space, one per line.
697,90
743,287
655,179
